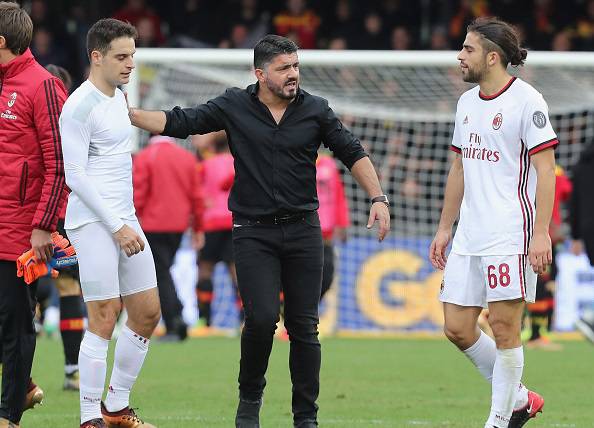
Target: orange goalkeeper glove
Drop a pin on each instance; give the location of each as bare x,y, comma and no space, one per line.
31,269
37,270
25,259
62,246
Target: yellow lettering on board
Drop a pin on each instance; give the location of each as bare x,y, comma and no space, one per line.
419,299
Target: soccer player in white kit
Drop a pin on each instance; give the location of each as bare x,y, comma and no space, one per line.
502,183
115,262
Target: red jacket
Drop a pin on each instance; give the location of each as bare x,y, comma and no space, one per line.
217,176
31,166
563,188
167,189
334,209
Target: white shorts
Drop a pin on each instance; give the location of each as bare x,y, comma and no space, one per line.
477,280
106,272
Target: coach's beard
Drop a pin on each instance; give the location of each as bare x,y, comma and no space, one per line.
279,90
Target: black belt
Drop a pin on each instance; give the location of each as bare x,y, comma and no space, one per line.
273,218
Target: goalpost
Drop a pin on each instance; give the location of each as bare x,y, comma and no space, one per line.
401,105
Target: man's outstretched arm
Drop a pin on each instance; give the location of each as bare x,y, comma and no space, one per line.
180,122
151,121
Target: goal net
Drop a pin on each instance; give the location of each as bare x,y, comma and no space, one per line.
401,106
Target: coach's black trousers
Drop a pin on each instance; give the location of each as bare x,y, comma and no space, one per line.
270,258
164,246
17,334
328,271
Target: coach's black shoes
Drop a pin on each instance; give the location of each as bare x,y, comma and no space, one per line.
521,416
585,325
306,424
248,413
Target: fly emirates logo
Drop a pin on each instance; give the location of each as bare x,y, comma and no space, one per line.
8,115
475,151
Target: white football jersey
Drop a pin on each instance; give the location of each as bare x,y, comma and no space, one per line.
96,144
496,135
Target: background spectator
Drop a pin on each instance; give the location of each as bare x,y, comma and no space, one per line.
247,25
400,38
44,48
194,23
373,34
341,26
166,175
582,223
585,27
582,204
467,11
298,23
439,39
135,11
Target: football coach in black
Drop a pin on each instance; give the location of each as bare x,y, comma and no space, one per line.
275,129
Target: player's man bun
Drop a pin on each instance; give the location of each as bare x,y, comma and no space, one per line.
500,37
519,57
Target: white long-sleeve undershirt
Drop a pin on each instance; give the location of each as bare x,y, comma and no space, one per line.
95,131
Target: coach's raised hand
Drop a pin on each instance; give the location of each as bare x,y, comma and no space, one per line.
129,241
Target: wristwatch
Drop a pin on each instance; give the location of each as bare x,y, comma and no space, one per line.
381,198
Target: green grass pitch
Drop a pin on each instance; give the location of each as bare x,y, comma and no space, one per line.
364,383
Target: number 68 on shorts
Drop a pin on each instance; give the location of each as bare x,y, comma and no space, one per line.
477,280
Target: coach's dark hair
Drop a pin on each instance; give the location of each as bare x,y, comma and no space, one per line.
104,31
271,46
16,27
500,37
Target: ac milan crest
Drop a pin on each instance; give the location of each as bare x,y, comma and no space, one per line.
497,121
12,99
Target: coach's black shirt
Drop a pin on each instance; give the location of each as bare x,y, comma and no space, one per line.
275,164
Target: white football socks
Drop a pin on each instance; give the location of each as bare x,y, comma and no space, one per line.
483,354
507,373
130,351
92,362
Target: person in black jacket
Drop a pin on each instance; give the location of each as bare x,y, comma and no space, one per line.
274,130
582,223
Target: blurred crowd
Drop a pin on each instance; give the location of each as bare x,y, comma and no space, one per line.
61,25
